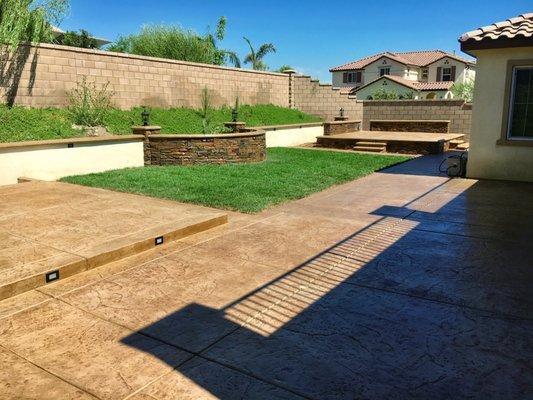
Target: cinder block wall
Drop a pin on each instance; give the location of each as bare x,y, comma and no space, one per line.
315,98
456,111
50,71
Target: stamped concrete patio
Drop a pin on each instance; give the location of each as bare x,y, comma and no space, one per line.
404,284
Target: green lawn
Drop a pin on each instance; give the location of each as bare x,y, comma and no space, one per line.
21,124
287,174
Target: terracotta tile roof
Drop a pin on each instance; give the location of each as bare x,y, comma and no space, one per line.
518,27
423,86
416,58
418,86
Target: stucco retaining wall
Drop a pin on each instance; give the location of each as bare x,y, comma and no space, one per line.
54,159
292,135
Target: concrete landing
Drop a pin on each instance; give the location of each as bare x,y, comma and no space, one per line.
50,230
392,142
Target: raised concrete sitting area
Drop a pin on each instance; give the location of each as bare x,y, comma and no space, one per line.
392,142
50,230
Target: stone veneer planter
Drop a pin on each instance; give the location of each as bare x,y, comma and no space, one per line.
230,148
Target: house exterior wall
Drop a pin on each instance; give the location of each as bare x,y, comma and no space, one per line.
372,70
461,72
388,85
487,159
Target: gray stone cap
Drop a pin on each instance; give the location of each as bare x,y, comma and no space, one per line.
210,136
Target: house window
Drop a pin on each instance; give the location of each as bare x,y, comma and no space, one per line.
352,77
425,73
446,74
384,71
520,125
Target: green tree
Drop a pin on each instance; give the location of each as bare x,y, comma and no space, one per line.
83,39
464,90
256,57
284,68
29,20
177,43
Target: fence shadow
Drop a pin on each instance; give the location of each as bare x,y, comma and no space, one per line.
349,323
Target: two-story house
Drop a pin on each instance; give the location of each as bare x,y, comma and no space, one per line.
417,74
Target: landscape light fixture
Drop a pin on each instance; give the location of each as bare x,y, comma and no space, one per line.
145,115
341,112
234,114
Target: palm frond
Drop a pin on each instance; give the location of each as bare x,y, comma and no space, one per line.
232,58
264,50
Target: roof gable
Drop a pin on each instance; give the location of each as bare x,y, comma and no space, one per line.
414,58
413,85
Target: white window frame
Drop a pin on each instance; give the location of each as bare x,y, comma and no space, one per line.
512,103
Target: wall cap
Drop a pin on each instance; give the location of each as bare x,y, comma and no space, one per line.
151,59
66,142
289,126
210,136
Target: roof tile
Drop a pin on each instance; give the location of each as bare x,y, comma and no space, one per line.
517,27
416,58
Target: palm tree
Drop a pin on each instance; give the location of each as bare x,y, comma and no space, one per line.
256,57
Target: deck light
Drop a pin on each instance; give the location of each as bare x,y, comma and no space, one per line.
341,112
145,117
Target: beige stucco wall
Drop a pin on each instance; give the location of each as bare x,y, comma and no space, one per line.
293,137
461,72
390,86
486,158
53,161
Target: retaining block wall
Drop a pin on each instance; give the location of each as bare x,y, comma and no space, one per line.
205,149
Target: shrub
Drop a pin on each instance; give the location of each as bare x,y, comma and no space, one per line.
83,39
383,94
464,90
177,43
88,105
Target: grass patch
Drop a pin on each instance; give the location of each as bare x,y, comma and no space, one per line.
21,123
287,174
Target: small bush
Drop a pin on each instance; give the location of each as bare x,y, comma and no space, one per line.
88,105
464,90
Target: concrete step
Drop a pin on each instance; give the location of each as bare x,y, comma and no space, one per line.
371,144
463,146
457,141
372,149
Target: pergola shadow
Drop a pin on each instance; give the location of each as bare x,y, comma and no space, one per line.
392,311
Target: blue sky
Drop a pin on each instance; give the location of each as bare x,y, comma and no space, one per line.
312,35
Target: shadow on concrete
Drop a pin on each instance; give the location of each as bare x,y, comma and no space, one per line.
396,310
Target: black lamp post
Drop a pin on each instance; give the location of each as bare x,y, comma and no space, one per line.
145,117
